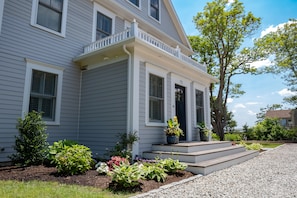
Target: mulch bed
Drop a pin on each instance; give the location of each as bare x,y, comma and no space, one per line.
90,178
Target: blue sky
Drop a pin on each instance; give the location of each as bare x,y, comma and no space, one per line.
261,90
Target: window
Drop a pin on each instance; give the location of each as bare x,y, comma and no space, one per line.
104,26
43,94
50,15
156,98
1,13
155,9
43,90
199,107
135,2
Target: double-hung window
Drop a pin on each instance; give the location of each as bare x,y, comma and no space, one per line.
156,98
135,2
43,90
199,106
50,15
155,9
104,26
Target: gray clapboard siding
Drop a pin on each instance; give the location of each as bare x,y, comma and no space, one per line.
103,112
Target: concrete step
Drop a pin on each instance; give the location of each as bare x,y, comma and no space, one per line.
195,157
209,166
188,147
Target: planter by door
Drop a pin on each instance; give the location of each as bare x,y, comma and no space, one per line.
172,139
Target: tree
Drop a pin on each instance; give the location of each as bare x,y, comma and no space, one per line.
223,28
261,116
230,122
282,45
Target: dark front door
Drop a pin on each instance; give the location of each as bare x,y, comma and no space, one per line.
180,108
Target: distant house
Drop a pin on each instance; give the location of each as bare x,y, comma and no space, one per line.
287,118
97,68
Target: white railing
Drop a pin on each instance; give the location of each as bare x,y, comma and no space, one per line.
134,31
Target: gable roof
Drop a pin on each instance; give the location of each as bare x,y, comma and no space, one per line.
278,114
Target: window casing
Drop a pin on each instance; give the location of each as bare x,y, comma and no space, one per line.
43,90
50,15
1,12
199,106
156,98
155,9
104,26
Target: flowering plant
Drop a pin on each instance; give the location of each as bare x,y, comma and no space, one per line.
173,127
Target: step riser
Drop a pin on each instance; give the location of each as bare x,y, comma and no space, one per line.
220,166
181,149
193,158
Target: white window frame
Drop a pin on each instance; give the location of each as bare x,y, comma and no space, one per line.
1,12
138,7
98,8
35,65
202,89
149,11
154,70
63,22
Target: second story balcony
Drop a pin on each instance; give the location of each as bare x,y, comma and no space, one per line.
137,33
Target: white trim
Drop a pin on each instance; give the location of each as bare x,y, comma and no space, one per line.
176,79
1,12
203,89
138,7
155,70
63,22
99,8
149,11
31,64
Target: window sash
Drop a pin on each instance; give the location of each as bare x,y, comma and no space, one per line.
199,106
154,9
135,2
156,99
49,14
43,94
104,26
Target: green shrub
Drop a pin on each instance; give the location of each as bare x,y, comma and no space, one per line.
214,136
233,137
126,176
171,166
57,147
253,146
31,144
152,171
75,159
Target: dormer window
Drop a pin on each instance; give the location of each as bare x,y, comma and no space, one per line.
135,2
155,9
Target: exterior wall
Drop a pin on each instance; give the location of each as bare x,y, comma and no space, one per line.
20,40
103,106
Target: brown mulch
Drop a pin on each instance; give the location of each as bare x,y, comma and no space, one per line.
90,178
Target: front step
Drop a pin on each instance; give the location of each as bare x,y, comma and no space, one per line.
203,157
209,166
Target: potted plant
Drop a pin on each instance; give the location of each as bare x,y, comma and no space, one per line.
173,131
204,131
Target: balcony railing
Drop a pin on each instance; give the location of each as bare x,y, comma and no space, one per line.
134,31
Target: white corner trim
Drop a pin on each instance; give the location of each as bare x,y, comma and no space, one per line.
63,22
31,64
1,12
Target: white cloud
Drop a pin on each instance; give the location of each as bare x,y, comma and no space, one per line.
250,112
274,28
252,103
263,63
229,100
285,92
240,106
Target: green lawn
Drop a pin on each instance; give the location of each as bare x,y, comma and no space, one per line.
271,145
32,189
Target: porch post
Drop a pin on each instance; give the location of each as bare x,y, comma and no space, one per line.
134,28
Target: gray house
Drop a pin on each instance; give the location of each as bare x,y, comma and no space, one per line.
97,68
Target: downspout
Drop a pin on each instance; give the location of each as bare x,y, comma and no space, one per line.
79,106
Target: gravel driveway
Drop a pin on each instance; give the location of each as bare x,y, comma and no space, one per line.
271,174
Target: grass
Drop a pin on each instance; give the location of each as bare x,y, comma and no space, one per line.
266,144
32,189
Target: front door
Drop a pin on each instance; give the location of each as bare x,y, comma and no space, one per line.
180,108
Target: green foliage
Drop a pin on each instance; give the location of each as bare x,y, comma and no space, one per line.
253,146
121,148
215,136
31,144
173,127
170,165
57,147
233,137
222,30
126,176
152,171
75,159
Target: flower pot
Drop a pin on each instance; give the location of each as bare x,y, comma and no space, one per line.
172,139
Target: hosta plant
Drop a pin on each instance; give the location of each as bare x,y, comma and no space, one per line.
152,171
171,165
102,168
